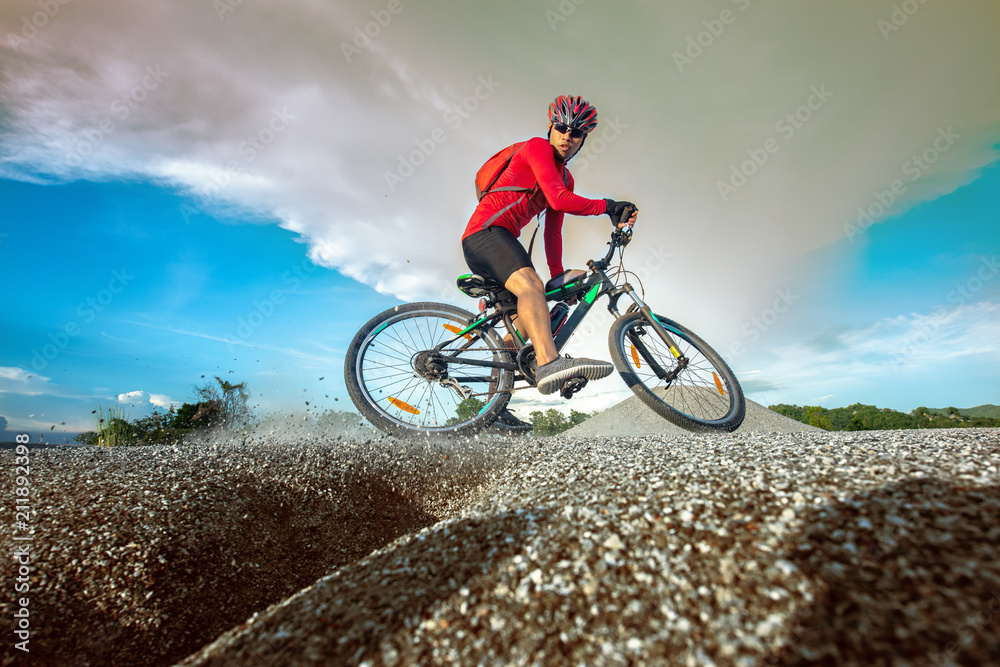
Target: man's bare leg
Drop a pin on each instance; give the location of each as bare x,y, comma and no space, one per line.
533,312
508,338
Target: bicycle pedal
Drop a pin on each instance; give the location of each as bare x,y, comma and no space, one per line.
571,386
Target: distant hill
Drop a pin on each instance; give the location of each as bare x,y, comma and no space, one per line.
989,411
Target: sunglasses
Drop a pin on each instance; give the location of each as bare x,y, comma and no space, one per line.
574,132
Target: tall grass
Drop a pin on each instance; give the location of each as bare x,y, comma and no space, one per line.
112,426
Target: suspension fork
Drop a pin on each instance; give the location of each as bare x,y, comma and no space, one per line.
661,332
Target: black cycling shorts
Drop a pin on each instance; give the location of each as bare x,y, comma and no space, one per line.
494,252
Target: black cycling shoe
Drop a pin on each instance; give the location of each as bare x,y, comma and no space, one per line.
507,423
551,376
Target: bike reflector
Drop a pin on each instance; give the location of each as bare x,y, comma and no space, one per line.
635,357
718,384
455,330
405,407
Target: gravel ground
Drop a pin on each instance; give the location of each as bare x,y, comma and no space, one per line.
632,417
743,549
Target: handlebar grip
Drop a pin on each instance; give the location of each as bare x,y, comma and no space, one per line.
626,214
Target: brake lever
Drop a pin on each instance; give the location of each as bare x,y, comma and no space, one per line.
621,237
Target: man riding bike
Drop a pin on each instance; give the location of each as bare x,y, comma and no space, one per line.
536,180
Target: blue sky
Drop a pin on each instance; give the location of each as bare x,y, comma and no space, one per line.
195,193
125,287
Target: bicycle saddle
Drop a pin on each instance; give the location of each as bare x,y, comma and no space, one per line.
477,286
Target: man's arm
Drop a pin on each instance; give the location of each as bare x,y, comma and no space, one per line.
553,241
558,195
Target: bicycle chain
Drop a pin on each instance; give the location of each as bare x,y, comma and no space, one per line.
489,349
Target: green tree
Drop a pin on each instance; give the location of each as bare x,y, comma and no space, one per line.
790,411
817,416
553,422
860,417
469,408
86,438
230,400
579,417
466,410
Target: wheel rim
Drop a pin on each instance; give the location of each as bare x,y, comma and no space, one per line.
700,392
390,384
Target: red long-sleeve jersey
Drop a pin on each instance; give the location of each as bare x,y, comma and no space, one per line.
535,166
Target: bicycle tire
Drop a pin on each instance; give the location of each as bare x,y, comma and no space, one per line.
387,390
704,397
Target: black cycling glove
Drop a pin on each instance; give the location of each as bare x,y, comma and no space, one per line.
619,211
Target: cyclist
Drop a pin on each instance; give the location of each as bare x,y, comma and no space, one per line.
537,180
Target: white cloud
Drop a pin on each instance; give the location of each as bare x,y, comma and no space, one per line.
15,374
14,380
907,352
163,401
598,395
218,89
139,397
130,396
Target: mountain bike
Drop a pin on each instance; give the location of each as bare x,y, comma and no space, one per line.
433,368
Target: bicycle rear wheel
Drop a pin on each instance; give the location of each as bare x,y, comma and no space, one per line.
396,387
703,396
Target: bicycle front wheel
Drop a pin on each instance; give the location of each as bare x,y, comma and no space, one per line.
401,390
702,396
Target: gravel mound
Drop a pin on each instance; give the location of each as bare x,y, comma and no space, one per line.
632,417
742,549
143,555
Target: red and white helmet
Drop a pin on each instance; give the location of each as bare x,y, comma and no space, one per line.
573,111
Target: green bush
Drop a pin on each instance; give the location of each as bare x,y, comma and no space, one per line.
225,405
113,428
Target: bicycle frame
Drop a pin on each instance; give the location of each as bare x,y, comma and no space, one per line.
596,284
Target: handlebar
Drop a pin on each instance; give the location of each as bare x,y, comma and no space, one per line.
619,239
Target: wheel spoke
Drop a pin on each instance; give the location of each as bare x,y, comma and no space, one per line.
391,384
700,391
